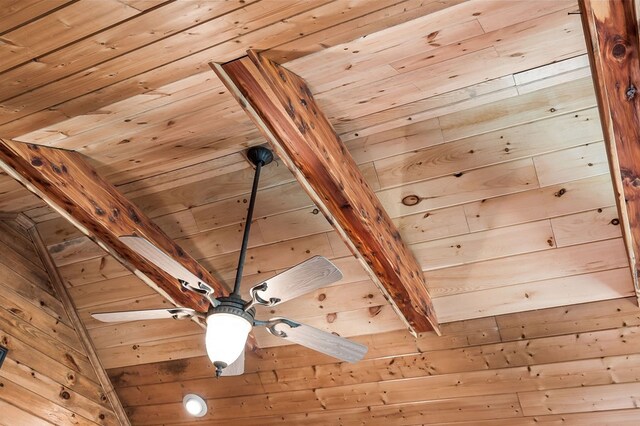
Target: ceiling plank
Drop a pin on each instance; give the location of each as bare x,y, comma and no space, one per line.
65,181
611,30
63,294
282,106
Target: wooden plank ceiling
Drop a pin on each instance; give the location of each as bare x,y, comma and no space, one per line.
474,122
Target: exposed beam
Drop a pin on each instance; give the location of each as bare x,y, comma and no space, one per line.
83,334
282,106
67,183
611,31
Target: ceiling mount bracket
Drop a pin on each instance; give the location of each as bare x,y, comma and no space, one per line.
259,154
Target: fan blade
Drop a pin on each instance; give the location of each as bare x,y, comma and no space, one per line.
159,258
149,314
303,278
321,341
236,368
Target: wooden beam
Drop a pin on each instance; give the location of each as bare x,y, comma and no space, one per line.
65,181
282,106
83,334
611,31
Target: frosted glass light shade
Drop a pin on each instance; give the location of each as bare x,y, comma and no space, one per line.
226,337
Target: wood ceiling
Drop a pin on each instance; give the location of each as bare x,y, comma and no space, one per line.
474,122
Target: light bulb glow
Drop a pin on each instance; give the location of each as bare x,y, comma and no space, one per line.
226,337
195,405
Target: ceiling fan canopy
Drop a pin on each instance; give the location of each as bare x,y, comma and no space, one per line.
230,319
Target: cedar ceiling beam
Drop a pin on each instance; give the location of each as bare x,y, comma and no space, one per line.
67,183
611,32
282,107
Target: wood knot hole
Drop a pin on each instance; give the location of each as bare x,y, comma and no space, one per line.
411,200
619,50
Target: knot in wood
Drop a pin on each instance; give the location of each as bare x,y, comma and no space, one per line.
619,50
631,92
411,200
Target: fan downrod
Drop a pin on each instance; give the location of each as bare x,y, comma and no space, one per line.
259,154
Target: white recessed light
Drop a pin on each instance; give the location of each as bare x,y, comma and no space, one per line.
195,405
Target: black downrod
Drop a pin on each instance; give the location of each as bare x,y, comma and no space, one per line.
259,156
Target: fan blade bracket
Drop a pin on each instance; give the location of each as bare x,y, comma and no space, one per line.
271,325
313,338
200,288
256,299
305,277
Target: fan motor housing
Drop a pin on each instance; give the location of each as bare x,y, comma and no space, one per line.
234,306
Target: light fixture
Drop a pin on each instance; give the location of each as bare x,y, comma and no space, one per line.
227,331
194,405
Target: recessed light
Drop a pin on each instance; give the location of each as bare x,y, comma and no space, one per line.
195,405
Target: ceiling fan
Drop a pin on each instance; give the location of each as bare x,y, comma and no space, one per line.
230,319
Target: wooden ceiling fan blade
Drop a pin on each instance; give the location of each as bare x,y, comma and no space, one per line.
321,341
236,368
148,314
159,258
303,278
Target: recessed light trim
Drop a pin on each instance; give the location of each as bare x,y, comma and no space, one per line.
195,405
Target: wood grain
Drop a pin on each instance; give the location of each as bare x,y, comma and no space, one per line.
70,185
611,30
304,137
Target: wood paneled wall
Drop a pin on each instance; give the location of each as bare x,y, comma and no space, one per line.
577,365
47,378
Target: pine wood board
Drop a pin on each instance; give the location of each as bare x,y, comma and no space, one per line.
564,166
13,263
524,268
443,410
91,271
59,28
190,65
49,389
483,150
538,105
209,38
604,285
148,352
136,332
427,108
16,415
593,398
432,225
15,14
38,405
39,318
112,42
109,290
548,202
51,346
484,245
33,293
53,368
593,225
569,319
484,183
